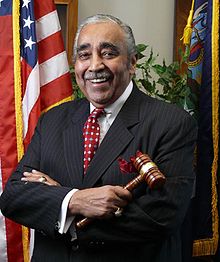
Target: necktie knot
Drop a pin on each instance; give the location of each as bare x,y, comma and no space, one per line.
96,113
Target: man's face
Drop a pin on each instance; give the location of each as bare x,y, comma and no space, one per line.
102,68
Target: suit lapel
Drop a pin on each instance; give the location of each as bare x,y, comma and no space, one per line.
73,145
117,138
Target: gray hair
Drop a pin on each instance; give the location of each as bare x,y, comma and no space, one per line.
129,37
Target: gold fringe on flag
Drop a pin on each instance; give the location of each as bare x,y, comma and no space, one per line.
205,247
188,28
67,99
215,118
18,107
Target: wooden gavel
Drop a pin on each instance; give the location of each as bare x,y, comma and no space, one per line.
148,172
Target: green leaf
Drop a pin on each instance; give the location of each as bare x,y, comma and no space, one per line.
159,69
141,47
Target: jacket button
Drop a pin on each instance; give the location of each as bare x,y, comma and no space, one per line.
91,244
75,245
75,248
42,233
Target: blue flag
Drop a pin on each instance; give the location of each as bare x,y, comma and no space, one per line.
204,79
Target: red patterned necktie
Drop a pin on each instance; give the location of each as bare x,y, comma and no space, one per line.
91,134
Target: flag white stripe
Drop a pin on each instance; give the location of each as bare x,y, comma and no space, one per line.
53,68
48,71
32,233
31,95
53,23
3,240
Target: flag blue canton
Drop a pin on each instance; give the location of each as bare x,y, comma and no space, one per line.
5,7
28,33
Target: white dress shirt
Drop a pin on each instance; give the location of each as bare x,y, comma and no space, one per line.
105,121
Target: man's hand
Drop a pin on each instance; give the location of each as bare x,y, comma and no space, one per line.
100,202
39,177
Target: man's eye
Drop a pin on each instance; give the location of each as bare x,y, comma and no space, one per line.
108,54
83,56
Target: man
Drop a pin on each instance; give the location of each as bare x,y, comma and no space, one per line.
51,188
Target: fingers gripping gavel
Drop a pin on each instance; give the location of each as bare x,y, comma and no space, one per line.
148,172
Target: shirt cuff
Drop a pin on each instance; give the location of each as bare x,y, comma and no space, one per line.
64,221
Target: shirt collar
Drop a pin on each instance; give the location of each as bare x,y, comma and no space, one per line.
113,109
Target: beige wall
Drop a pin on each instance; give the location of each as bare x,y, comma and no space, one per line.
152,21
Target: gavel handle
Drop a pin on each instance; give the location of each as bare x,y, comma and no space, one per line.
135,182
130,186
83,222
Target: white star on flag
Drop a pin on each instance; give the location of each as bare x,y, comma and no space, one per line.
27,22
1,3
29,42
25,3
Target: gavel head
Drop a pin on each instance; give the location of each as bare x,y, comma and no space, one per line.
149,170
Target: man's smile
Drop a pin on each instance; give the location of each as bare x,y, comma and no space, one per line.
98,80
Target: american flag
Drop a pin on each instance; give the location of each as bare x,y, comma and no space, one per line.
34,76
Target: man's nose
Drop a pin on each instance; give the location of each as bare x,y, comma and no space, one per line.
96,63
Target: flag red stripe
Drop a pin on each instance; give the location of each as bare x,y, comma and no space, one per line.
25,72
32,120
42,8
7,110
8,142
53,44
14,241
53,89
8,147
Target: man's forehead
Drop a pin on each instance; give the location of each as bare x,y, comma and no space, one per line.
102,24
105,29
101,45
101,34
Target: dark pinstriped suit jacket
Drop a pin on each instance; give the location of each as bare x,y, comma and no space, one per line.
149,228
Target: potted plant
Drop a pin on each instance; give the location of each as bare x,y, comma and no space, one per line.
165,82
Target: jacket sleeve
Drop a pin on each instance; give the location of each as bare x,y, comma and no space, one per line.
34,205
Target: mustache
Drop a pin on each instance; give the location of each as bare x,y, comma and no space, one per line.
97,75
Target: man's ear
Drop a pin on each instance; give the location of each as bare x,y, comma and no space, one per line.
133,62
